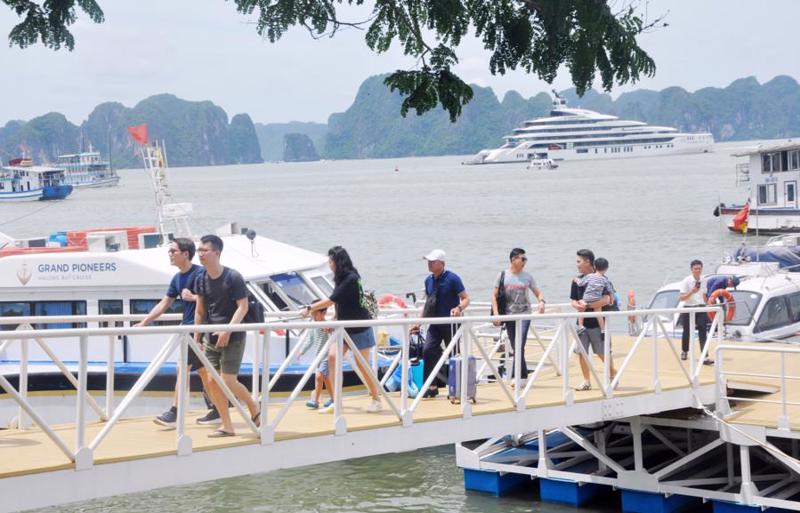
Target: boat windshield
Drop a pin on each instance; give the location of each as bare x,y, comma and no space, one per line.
664,299
295,289
746,305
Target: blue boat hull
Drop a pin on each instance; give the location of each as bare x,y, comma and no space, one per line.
56,192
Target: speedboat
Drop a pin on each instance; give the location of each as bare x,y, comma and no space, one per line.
537,164
764,306
125,271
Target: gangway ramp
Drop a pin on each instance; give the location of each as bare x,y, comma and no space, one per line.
135,454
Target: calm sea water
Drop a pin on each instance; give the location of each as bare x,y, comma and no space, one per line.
648,216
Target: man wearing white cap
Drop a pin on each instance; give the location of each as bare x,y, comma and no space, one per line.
446,297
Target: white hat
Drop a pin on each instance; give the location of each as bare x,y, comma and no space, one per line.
436,254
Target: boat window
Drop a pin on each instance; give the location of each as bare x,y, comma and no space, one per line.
664,299
746,305
109,307
794,306
8,309
767,194
59,308
795,160
143,307
295,289
774,315
271,290
323,284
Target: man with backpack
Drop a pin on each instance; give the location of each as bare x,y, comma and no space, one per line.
181,252
445,297
222,299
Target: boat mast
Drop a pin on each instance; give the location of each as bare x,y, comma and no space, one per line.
173,218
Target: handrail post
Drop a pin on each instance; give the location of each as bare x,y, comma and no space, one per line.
404,374
466,342
609,390
656,378
83,454
692,329
267,431
568,396
254,381
518,355
22,418
184,441
339,422
783,421
110,377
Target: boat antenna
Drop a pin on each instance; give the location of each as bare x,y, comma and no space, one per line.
173,218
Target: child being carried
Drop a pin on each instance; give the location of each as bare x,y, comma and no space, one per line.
596,285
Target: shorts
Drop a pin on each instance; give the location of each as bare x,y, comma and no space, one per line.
192,359
227,360
363,339
591,337
323,367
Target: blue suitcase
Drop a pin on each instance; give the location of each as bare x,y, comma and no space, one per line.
454,379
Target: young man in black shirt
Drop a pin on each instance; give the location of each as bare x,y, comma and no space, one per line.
222,299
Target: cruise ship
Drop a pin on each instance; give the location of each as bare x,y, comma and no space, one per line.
581,134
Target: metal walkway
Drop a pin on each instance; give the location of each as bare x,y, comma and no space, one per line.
114,454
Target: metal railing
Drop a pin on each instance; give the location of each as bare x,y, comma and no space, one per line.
781,378
558,352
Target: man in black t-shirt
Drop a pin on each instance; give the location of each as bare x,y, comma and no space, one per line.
222,299
591,336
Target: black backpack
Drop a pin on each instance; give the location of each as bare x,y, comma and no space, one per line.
502,299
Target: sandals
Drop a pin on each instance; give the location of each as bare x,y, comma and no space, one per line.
257,419
220,433
583,387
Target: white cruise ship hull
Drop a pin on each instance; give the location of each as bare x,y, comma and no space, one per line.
682,144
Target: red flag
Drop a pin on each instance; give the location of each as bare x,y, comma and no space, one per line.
139,133
740,219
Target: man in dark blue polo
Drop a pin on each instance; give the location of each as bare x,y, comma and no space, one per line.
446,297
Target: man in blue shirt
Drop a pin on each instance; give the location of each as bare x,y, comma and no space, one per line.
446,291
182,288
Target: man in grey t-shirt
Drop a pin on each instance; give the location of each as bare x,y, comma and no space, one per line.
516,284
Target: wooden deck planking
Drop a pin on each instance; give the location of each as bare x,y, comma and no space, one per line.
138,438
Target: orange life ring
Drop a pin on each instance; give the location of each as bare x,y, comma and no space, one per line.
392,300
729,301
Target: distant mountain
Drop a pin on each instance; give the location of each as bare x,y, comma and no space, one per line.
299,148
194,133
373,128
271,136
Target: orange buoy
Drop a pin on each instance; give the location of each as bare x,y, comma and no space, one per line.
729,302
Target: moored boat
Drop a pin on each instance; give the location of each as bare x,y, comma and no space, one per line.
771,174
88,169
22,181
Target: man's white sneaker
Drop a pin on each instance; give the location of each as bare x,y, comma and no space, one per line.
374,406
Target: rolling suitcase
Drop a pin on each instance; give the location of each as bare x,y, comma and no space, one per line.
454,380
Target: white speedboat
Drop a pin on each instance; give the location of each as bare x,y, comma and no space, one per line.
581,134
540,164
125,271
771,174
767,298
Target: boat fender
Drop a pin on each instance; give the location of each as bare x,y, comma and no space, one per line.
730,303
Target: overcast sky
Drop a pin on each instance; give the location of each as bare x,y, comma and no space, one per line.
205,50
